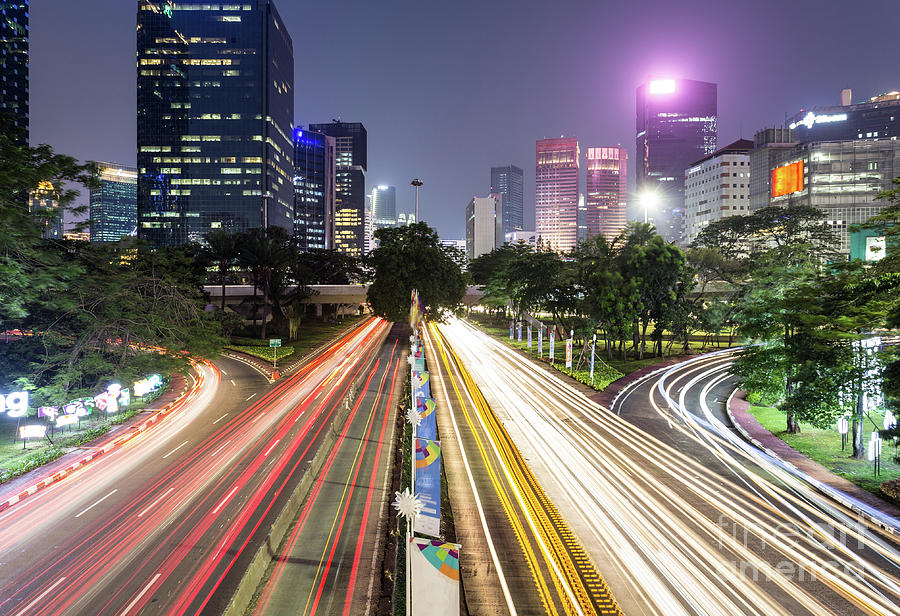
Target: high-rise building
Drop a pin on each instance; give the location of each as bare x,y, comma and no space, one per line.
215,106
314,177
556,192
351,150
484,225
836,159
43,204
607,191
716,187
509,181
14,67
114,203
676,125
384,206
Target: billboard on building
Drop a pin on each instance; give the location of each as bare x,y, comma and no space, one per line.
787,179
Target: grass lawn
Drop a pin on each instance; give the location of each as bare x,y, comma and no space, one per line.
824,446
313,334
16,460
624,367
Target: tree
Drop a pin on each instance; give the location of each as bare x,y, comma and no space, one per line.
222,250
408,258
266,253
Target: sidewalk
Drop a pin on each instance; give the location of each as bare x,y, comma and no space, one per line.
55,470
746,423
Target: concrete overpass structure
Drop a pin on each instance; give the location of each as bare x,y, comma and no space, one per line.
343,299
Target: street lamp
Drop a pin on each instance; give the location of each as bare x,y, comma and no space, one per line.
416,182
649,198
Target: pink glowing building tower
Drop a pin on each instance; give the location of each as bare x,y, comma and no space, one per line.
605,201
556,193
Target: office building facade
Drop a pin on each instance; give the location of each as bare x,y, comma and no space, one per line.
114,203
606,191
677,123
877,118
14,68
43,204
484,225
351,160
509,181
215,107
384,206
314,177
557,188
716,187
771,147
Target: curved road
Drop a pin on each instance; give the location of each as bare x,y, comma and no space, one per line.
678,518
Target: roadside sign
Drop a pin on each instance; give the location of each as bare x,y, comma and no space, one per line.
275,342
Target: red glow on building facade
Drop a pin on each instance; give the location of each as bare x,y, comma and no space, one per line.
556,192
607,190
787,179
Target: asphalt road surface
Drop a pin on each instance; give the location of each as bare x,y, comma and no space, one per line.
677,517
167,523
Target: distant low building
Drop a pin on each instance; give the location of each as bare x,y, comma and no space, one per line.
526,237
716,187
484,225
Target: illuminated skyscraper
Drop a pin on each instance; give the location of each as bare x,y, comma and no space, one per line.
556,191
351,149
313,190
215,106
14,66
484,225
509,182
114,203
607,190
676,125
384,206
43,203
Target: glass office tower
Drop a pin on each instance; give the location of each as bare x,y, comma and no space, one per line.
114,203
14,67
215,106
384,206
509,181
677,124
607,190
351,149
556,192
313,190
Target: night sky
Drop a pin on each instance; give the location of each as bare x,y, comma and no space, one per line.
448,89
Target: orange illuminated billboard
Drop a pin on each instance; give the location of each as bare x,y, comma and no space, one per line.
787,179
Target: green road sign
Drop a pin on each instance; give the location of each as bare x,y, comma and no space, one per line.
275,342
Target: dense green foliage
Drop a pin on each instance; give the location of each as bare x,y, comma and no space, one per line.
408,258
89,313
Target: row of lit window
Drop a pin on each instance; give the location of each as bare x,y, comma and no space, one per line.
193,39
189,62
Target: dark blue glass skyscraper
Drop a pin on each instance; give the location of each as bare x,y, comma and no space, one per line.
14,67
113,203
509,181
313,190
215,106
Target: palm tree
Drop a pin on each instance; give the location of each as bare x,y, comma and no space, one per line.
266,254
221,248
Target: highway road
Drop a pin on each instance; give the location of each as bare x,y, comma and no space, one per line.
518,554
167,523
330,560
677,517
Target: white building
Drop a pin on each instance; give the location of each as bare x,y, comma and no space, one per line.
484,225
528,237
716,187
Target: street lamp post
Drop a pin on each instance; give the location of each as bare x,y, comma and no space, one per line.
649,198
416,183
266,196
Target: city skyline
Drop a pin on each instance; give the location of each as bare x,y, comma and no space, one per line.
97,122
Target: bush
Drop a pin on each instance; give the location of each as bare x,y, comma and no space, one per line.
30,463
892,489
266,353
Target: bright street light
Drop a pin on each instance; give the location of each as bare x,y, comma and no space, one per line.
649,198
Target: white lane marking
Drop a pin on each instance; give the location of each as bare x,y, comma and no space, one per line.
225,500
97,503
257,418
154,503
220,418
176,449
251,397
41,596
220,449
140,594
233,383
269,450
223,372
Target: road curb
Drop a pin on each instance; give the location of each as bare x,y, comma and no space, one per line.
117,442
259,566
833,493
